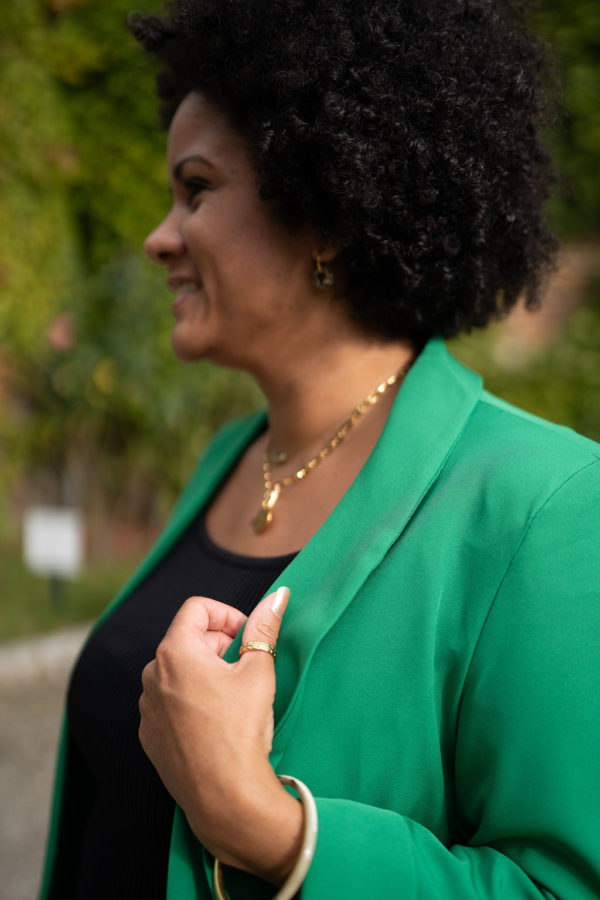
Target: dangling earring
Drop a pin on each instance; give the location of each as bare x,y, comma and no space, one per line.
322,275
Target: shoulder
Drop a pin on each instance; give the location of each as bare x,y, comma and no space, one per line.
506,465
523,429
510,451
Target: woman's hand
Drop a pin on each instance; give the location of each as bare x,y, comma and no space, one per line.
207,727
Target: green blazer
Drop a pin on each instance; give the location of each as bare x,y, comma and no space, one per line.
438,675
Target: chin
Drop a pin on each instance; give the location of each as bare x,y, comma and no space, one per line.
185,349
190,347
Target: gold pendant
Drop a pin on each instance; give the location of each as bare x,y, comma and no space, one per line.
264,516
262,520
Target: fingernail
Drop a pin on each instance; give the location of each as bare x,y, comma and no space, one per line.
279,601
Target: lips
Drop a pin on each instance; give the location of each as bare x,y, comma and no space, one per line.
189,287
181,285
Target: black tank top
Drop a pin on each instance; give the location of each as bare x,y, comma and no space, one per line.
126,836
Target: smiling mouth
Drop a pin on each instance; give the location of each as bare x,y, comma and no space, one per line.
188,287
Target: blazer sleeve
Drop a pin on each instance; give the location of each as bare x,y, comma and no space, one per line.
527,760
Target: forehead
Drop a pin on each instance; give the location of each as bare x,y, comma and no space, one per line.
200,127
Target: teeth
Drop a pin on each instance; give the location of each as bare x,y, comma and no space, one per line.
187,288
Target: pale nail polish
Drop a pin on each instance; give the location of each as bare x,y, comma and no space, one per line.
279,601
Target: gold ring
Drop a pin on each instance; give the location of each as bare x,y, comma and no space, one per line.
259,645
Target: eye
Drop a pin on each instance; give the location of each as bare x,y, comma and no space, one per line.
194,187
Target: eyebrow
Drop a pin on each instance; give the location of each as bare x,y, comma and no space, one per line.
194,158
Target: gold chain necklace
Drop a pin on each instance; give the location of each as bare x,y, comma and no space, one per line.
272,489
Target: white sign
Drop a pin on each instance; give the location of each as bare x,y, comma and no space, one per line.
53,540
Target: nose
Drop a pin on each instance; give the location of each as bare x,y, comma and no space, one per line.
165,243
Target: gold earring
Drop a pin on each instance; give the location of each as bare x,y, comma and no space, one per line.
322,275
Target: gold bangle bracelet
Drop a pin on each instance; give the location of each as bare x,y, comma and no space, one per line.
307,849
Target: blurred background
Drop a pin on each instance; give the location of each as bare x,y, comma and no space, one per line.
99,424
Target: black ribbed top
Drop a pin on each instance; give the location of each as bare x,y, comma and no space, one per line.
125,841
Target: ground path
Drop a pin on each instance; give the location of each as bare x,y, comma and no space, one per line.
33,676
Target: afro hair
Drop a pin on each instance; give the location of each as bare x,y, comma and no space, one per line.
406,133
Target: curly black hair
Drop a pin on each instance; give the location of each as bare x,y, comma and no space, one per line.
405,132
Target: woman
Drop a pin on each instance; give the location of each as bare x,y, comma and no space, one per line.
351,181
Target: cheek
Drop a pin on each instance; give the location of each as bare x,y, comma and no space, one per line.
238,249
258,256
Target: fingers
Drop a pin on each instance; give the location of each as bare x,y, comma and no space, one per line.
218,623
218,642
203,614
265,620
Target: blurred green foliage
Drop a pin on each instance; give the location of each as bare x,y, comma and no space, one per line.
82,181
562,381
573,30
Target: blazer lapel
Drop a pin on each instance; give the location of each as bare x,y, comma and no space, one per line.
429,413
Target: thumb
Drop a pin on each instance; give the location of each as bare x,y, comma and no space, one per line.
265,620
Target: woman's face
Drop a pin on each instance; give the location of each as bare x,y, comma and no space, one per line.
241,282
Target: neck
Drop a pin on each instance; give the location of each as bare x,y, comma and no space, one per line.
311,394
